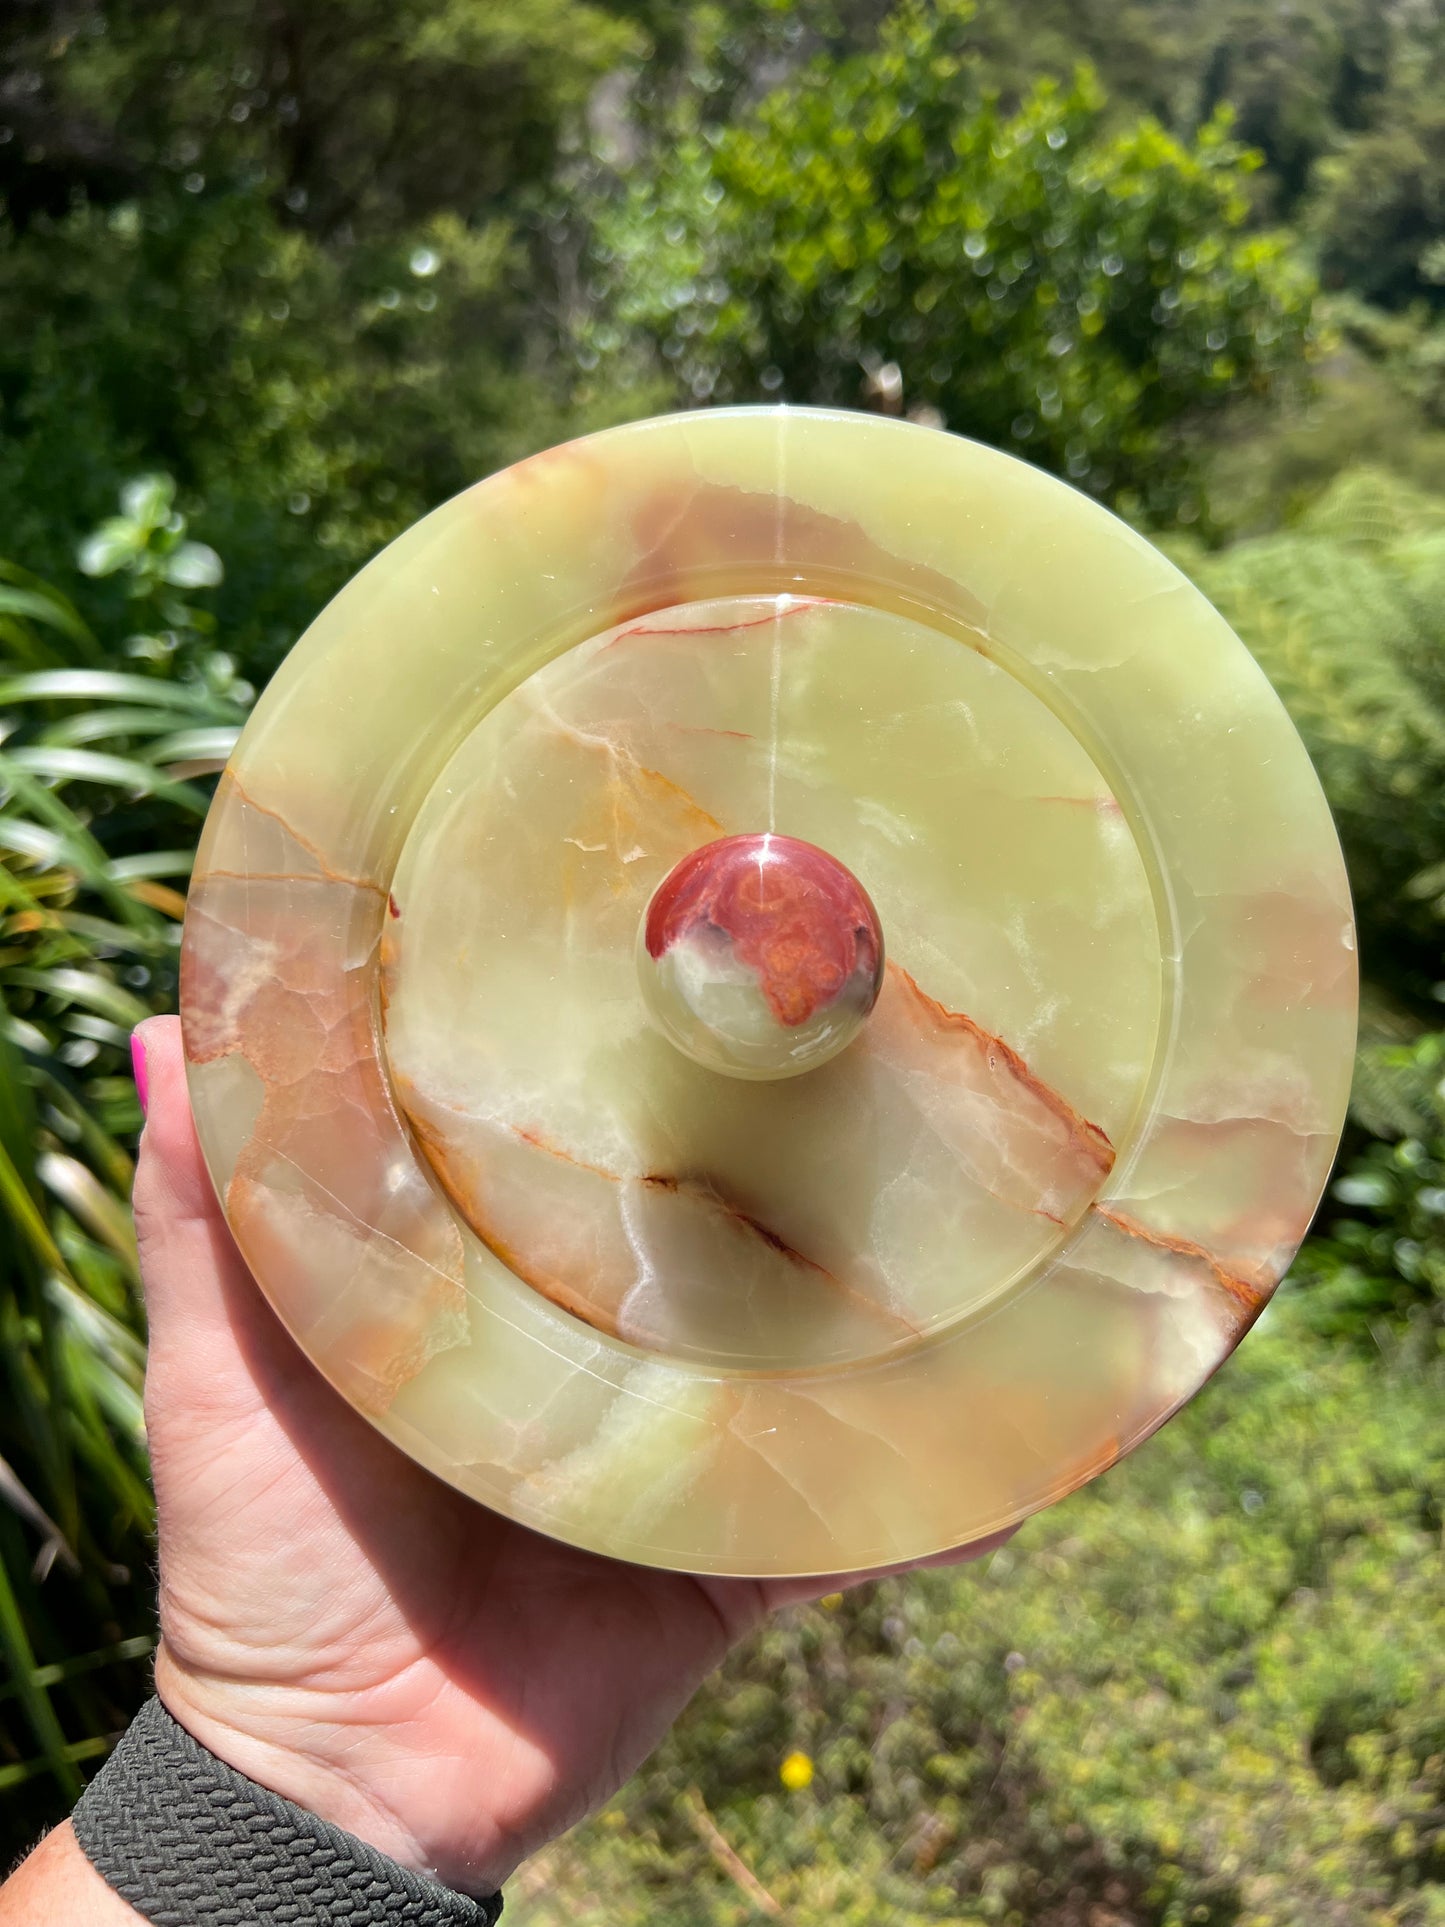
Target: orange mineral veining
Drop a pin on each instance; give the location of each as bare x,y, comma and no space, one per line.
800,921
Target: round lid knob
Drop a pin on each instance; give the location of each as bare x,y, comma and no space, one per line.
760,956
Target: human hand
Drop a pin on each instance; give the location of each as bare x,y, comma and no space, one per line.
344,1628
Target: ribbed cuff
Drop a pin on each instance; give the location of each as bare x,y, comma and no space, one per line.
188,1840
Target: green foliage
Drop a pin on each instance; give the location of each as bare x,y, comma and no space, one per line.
316,399
1379,1266
1339,96
372,114
1367,407
213,218
1378,208
1345,611
1037,280
1206,1690
1369,1274
99,810
1408,345
1298,78
305,281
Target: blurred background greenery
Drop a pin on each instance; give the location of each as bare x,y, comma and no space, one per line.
275,278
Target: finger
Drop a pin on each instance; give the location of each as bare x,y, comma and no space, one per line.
178,1184
202,1304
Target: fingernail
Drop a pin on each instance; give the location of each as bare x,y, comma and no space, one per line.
138,1070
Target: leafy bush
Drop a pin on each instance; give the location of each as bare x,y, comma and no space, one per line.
1380,1265
98,812
286,254
1036,277
1206,1690
1409,346
315,400
1379,206
1345,611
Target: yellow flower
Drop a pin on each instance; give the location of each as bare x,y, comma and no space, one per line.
831,1601
796,1772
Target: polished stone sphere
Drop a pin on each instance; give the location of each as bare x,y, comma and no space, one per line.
760,956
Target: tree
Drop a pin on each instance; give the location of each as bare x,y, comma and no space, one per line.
1077,294
287,253
1379,210
372,113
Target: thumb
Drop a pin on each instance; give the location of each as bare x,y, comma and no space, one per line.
212,1335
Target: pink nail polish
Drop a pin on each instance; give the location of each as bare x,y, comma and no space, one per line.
138,1069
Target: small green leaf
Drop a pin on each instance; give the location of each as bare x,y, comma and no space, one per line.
148,499
194,566
113,546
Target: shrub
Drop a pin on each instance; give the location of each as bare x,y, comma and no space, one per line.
1205,1690
1345,612
99,807
1034,276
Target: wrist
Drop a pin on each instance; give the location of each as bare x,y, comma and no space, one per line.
299,1746
57,1883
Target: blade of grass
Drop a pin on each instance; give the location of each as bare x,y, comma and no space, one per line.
105,1154
100,1029
30,596
98,725
27,839
153,863
79,850
27,1215
96,930
86,1198
13,1776
138,1647
118,772
84,987
106,685
17,1102
196,745
34,1699
159,896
